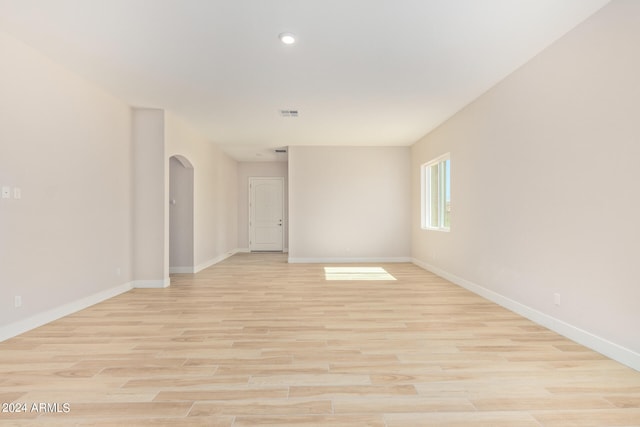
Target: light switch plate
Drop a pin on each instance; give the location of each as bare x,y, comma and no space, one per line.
6,192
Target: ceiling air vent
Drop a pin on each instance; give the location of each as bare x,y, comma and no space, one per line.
289,113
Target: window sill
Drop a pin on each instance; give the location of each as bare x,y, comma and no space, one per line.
446,230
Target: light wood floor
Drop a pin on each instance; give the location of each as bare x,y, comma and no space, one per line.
254,341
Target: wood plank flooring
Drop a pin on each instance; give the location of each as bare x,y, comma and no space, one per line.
254,341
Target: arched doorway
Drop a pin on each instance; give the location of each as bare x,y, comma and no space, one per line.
181,244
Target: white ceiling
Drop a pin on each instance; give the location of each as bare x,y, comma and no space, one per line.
363,72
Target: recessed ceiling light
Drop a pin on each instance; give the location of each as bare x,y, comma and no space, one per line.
287,38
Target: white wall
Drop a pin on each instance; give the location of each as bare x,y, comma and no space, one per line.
215,191
545,187
258,169
349,203
67,145
150,259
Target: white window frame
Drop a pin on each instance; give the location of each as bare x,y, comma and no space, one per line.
426,196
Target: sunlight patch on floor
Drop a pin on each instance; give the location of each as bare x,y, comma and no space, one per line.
357,273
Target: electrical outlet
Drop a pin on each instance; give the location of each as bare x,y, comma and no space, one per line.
17,301
17,193
556,299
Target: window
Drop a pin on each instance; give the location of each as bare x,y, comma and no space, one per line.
436,194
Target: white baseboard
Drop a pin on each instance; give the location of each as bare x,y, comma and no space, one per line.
181,270
243,251
206,264
594,342
216,260
339,260
13,329
151,284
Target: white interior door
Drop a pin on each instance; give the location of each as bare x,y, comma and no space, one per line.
266,214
